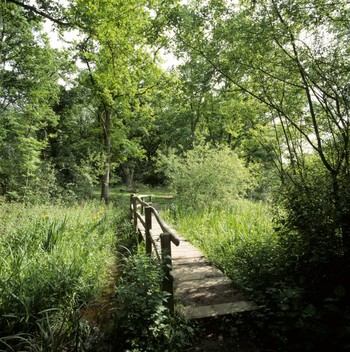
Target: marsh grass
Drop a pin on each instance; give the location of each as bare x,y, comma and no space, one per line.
54,260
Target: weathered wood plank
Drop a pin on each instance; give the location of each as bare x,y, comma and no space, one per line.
197,312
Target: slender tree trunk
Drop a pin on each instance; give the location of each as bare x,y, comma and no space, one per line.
105,187
130,177
105,180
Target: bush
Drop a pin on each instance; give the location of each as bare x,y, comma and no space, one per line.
313,232
206,175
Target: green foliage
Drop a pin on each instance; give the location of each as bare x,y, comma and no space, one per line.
142,320
120,74
313,231
41,187
206,176
28,90
269,79
310,225
277,53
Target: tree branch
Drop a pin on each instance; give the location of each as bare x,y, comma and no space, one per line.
41,13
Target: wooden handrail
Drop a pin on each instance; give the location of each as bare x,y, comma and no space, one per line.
166,237
164,226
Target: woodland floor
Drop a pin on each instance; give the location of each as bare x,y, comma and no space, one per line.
223,334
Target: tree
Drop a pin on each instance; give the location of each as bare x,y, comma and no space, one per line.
52,10
117,55
29,74
74,148
119,44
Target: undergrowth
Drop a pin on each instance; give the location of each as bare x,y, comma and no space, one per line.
142,321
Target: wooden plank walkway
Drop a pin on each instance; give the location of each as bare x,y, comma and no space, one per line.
201,289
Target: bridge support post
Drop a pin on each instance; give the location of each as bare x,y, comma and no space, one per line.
168,285
148,222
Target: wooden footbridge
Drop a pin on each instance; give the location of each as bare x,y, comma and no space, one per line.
200,289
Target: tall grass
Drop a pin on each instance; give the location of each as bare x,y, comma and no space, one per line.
53,260
240,239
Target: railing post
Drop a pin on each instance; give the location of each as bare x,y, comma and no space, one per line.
142,207
134,205
148,221
131,204
168,286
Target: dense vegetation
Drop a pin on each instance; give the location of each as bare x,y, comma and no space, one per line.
250,128
55,260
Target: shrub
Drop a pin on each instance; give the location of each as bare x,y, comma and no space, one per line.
313,233
206,175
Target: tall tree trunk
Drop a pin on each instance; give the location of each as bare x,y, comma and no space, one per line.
105,180
130,177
